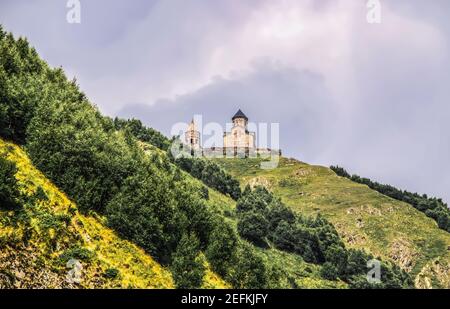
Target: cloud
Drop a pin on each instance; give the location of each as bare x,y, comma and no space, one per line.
371,97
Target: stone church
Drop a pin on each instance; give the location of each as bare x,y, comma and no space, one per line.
238,142
239,136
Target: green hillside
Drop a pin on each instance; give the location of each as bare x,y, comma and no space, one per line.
79,185
364,218
291,271
131,216
37,241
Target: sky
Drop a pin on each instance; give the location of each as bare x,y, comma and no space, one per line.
371,97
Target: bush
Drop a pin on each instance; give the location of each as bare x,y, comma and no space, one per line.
329,271
254,227
138,213
112,273
284,237
9,192
250,271
337,256
187,265
221,251
262,216
78,253
19,94
142,133
70,142
256,200
211,174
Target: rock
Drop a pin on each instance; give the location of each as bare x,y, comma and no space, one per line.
260,181
403,253
19,274
359,223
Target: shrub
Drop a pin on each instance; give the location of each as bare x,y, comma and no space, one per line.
329,271
187,265
221,251
9,192
254,227
211,174
112,273
142,133
78,253
284,237
250,271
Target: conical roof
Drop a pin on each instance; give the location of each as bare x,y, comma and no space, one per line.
192,126
239,114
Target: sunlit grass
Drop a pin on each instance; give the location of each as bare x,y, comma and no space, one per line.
364,218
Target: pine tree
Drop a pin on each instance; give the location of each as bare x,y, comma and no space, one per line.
187,265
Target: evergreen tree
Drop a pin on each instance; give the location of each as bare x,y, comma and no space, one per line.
187,265
221,251
254,227
250,270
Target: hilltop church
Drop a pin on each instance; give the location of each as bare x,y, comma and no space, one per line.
238,142
239,137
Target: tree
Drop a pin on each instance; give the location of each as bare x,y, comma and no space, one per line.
357,262
221,251
188,267
257,199
329,271
254,227
337,256
249,271
278,213
9,192
138,214
284,237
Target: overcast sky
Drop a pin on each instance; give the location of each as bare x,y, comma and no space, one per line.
374,98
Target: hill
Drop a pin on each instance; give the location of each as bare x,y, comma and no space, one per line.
89,191
364,218
38,240
79,185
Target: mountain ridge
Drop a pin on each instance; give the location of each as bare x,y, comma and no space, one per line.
363,217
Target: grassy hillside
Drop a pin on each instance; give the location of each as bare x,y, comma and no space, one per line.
38,240
291,270
35,250
364,218
149,202
144,198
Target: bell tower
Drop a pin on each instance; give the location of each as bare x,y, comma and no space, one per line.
192,136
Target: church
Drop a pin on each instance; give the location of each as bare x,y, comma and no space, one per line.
238,142
239,137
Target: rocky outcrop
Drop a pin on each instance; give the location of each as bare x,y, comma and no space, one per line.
434,274
403,254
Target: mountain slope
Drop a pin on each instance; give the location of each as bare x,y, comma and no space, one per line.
38,240
364,218
293,271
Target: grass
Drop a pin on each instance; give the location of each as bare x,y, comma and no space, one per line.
364,218
293,272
